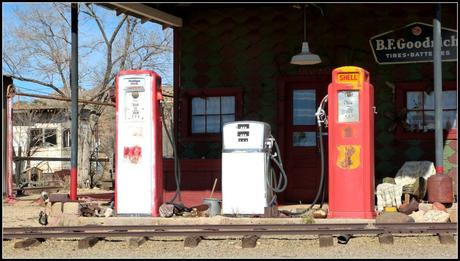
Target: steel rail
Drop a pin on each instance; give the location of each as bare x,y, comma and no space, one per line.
227,230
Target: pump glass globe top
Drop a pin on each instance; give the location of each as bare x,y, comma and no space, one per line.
305,57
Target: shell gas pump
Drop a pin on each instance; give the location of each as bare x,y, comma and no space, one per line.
138,153
351,144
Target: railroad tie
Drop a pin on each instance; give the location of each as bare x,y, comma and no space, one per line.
386,238
326,241
446,238
192,241
29,242
137,241
249,241
87,242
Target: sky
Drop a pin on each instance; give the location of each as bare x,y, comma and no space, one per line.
87,28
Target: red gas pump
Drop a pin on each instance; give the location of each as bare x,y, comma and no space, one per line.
351,144
139,155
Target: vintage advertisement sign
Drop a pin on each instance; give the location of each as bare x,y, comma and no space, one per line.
412,43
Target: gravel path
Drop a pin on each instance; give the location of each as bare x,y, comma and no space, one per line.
230,247
25,213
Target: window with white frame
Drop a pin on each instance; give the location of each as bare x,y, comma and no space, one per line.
209,114
66,138
421,114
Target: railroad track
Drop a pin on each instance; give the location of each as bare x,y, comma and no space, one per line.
194,233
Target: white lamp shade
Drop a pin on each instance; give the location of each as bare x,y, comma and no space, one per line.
305,57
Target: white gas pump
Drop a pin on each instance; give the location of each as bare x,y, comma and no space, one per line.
247,176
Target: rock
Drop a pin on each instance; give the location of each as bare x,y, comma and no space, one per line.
436,216
108,212
408,208
418,216
425,207
320,213
56,209
453,215
439,206
71,208
394,217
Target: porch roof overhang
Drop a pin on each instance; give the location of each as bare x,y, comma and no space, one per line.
145,12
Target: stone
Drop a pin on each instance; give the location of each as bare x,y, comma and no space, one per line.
408,208
249,241
320,213
394,217
425,207
418,216
56,209
436,216
72,208
453,215
108,212
439,206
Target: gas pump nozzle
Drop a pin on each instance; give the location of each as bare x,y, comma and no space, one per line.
321,113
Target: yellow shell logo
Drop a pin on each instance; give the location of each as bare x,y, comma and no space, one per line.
349,156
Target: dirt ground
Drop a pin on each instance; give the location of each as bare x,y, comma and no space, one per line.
25,211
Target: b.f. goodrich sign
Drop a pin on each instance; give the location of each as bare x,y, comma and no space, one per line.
413,43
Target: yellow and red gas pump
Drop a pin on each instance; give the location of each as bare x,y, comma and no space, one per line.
351,144
138,156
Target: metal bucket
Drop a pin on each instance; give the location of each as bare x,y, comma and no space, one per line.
214,206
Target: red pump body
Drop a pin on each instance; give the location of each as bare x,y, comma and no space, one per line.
351,144
138,154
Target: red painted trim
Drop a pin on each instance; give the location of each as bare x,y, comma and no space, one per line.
73,183
400,102
439,169
186,97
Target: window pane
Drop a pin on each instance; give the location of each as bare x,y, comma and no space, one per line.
213,124
449,99
198,106
228,104
414,100
198,124
66,138
36,137
429,101
429,120
449,119
304,107
415,120
213,105
227,118
50,137
304,139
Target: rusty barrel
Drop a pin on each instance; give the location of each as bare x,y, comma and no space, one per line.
440,188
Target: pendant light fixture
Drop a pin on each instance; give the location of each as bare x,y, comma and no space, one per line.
305,57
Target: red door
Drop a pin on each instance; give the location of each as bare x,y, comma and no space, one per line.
302,158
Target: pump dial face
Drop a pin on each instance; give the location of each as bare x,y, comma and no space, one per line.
348,109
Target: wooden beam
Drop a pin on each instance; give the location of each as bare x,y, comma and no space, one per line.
150,13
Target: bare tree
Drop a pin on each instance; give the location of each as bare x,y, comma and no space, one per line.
37,49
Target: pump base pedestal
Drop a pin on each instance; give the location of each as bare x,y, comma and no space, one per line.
347,214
